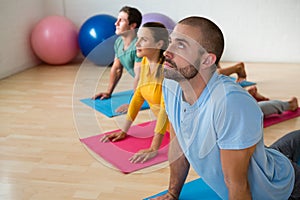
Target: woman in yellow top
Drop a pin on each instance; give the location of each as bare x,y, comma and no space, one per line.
152,41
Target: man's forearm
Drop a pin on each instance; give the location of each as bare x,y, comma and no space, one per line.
156,141
179,171
179,168
115,76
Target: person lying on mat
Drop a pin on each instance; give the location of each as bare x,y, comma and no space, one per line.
268,106
129,20
152,41
217,127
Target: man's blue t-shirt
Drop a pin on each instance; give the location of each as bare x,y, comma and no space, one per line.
225,116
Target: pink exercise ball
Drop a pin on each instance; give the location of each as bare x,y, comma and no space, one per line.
54,40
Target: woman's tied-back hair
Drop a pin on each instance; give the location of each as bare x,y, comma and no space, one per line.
212,39
159,32
134,15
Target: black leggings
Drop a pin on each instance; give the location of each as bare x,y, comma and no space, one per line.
289,145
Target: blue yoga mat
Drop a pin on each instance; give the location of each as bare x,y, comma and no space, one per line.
243,83
196,189
108,106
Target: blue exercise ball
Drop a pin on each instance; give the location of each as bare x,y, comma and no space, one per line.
96,39
159,17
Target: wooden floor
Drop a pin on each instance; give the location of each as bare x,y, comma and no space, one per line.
41,121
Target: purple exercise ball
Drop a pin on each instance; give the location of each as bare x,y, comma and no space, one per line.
158,17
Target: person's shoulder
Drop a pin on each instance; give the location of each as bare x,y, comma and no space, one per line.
118,41
229,85
222,87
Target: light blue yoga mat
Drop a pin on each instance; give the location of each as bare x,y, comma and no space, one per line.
108,106
196,189
243,83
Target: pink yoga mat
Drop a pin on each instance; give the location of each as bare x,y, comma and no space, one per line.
118,153
276,118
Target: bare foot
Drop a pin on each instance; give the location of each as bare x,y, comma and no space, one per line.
293,104
241,72
259,97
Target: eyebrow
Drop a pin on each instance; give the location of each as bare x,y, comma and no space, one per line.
123,18
180,40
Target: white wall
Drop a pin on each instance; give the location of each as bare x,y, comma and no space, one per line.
16,21
255,31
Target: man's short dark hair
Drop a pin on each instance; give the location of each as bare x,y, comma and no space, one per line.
134,15
212,37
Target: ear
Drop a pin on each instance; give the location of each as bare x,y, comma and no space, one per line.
133,26
209,59
159,44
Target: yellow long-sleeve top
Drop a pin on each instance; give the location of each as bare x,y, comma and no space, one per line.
150,89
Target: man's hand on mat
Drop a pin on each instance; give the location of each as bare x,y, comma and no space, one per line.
143,155
113,137
122,109
102,95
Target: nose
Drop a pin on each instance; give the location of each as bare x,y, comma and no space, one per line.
117,22
137,44
168,54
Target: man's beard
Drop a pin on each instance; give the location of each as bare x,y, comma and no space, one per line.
186,73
